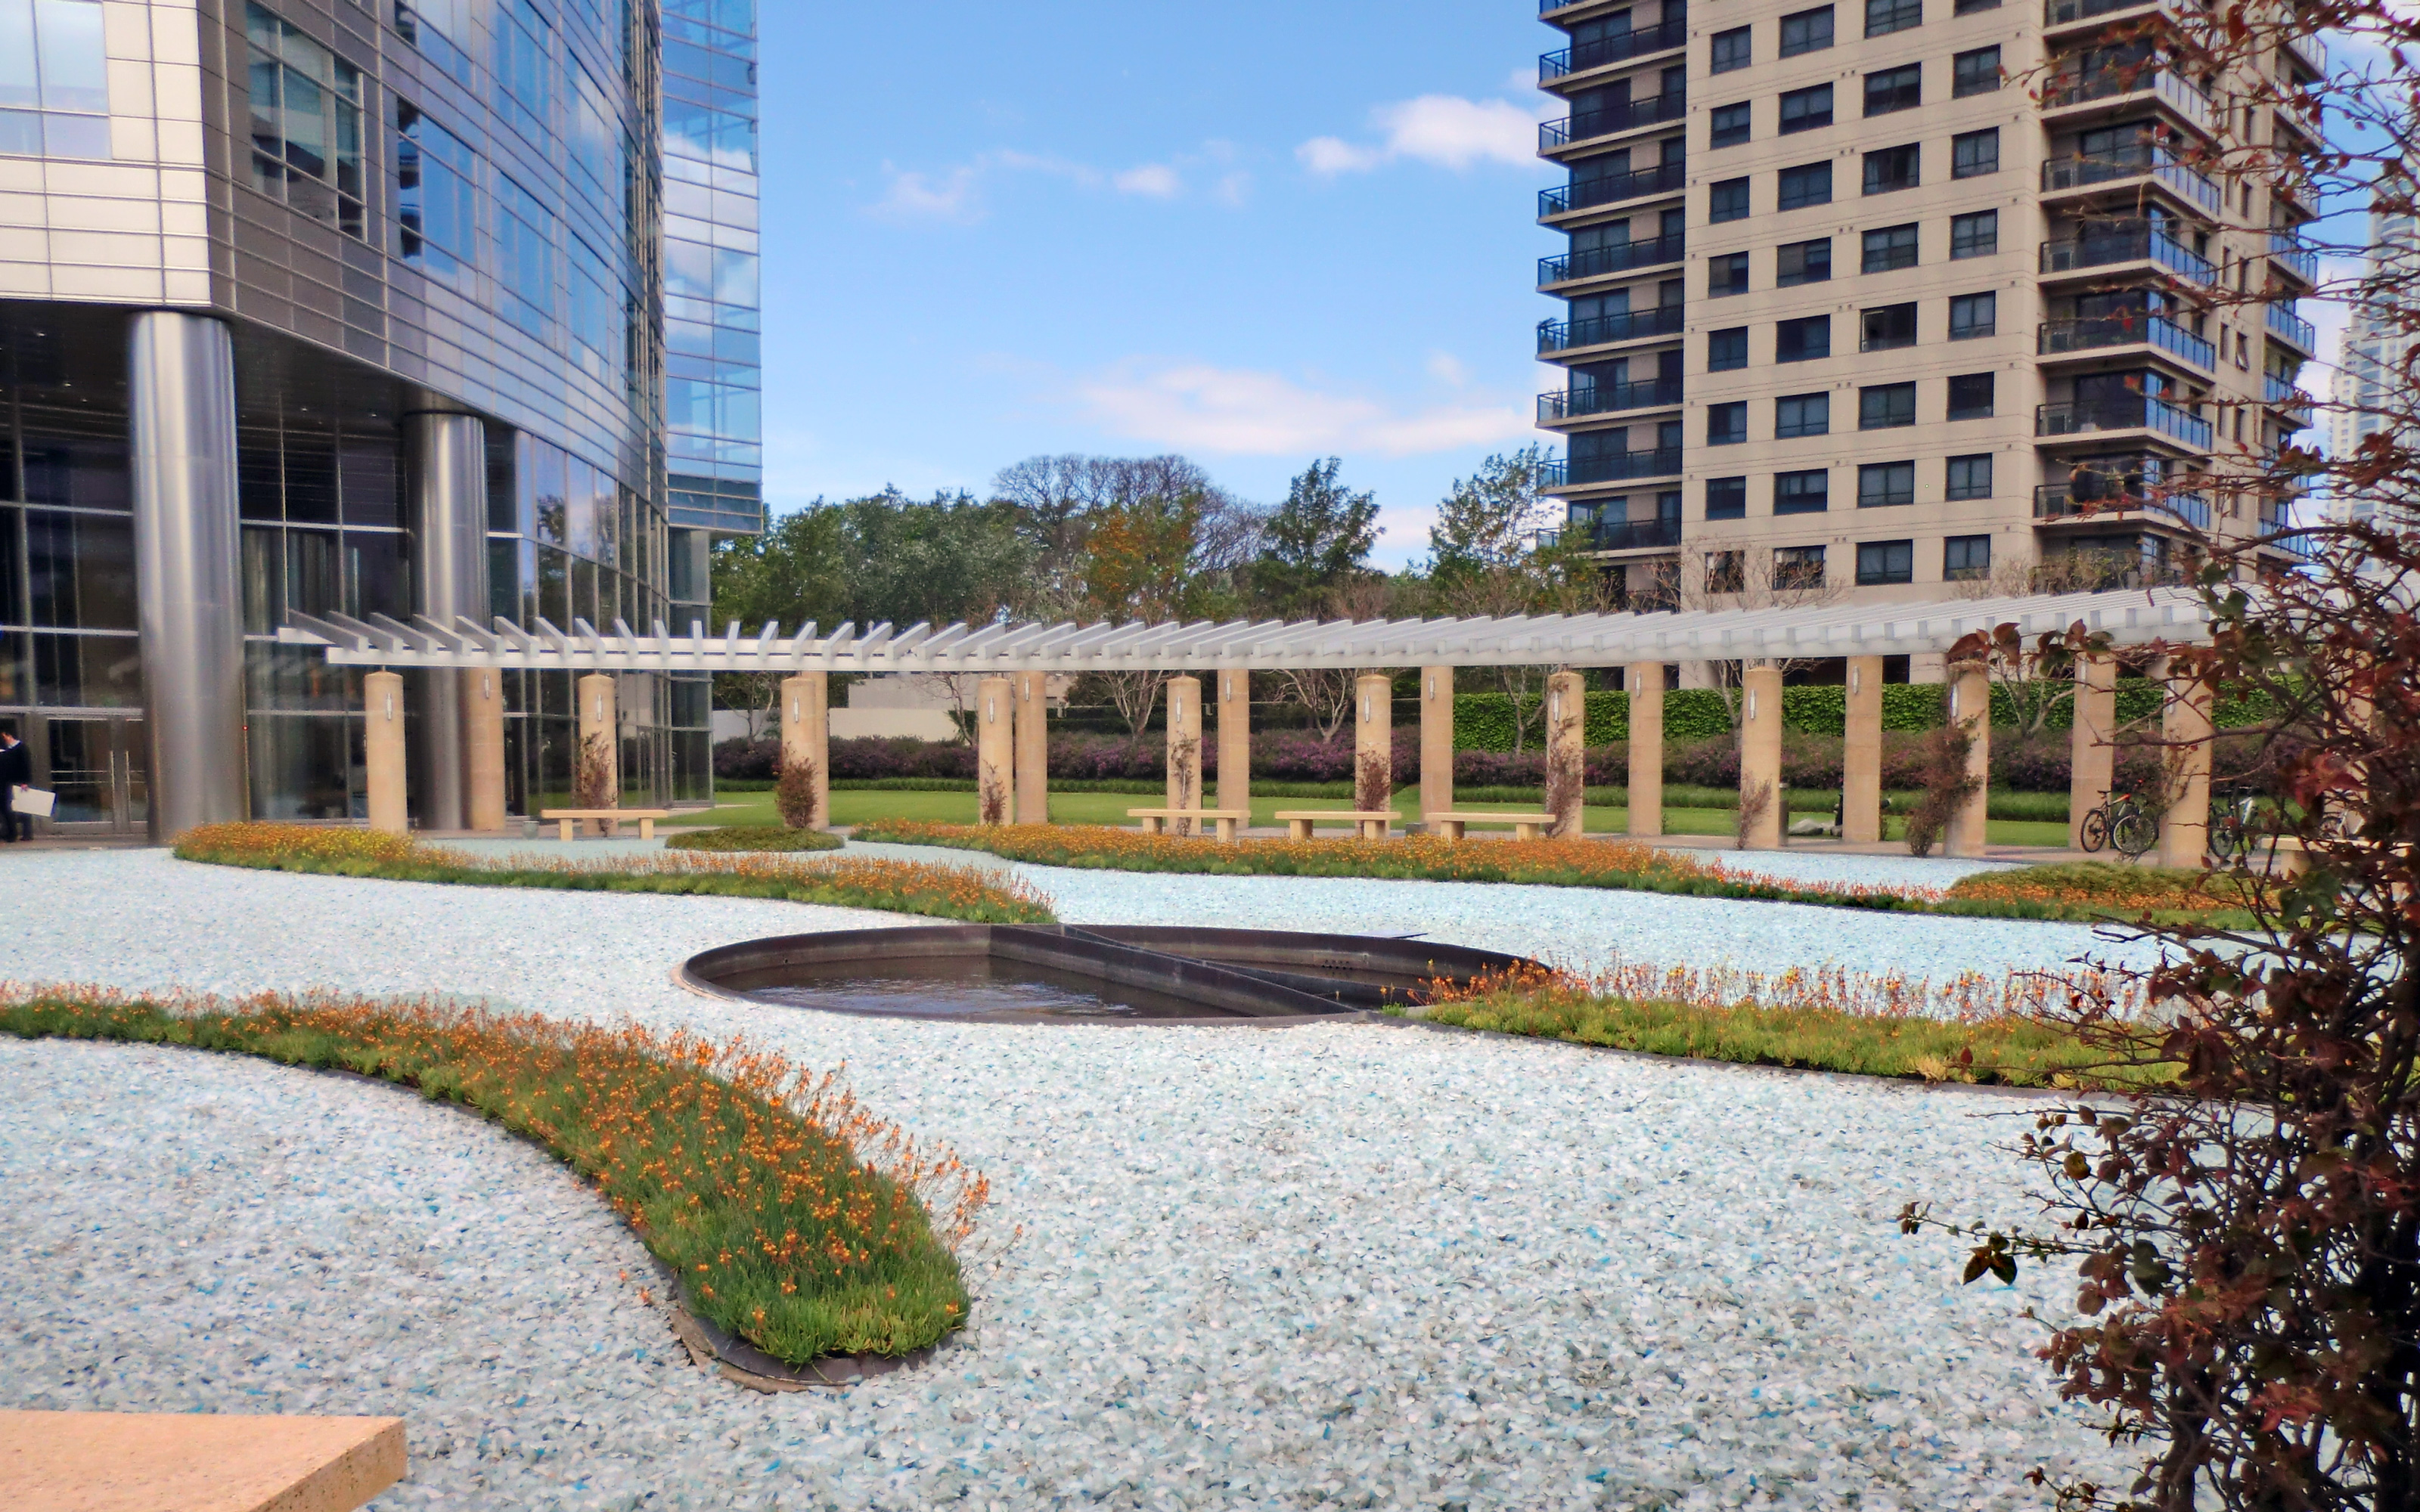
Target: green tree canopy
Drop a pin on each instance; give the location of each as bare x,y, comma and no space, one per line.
1319,539
1491,519
885,557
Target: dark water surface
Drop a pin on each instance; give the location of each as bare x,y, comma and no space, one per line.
980,989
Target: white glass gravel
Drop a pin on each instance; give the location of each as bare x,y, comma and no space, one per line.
1341,1265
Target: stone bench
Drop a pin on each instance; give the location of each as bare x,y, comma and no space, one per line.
195,1461
1370,824
1525,825
1225,819
568,817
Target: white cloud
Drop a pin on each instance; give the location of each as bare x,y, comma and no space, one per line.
1201,408
1444,130
916,197
955,194
1157,181
1447,368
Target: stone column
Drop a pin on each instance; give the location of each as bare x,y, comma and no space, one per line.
1436,741
1861,753
1033,694
382,758
189,588
1374,743
2185,726
1566,761
2092,748
1183,749
995,751
802,728
1970,708
1234,684
446,467
1645,681
483,746
599,741
1761,758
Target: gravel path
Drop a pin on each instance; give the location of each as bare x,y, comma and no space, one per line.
1338,1265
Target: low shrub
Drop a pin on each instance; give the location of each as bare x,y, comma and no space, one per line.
754,837
795,1217
845,882
2117,888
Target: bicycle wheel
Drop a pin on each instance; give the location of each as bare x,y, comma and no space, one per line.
2135,833
2227,836
2094,832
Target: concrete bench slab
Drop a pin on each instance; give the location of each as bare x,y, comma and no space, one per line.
1225,819
195,1461
568,817
1370,824
1525,825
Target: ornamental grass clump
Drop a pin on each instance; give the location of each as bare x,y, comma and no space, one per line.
754,837
795,1217
955,892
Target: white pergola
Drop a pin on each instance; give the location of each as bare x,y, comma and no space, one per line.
2128,617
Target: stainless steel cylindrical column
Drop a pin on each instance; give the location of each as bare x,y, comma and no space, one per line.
448,471
180,382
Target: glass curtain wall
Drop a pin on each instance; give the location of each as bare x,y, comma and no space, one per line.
714,448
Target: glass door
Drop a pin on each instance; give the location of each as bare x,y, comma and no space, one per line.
96,767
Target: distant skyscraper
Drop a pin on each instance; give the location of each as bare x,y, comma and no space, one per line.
2371,362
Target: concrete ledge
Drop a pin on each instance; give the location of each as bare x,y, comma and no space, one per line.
194,1462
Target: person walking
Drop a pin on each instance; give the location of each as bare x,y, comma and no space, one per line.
16,771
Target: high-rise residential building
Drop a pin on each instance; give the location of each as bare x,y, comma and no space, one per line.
2368,386
361,306
1882,297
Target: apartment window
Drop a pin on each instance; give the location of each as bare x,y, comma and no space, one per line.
305,105
1727,200
1974,235
1802,493
1725,572
1797,566
1807,184
1881,562
1883,16
1802,262
1895,89
1970,396
1731,50
1886,406
66,77
1727,351
1972,154
1975,73
1726,275
1965,557
1890,248
1726,424
1970,477
1893,325
1801,414
1968,7
1807,31
1730,125
1892,169
1727,499
1803,340
439,207
1885,485
1803,110
1974,315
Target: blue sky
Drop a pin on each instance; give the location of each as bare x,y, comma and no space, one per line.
1255,234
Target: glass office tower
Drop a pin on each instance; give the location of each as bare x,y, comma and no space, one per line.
324,306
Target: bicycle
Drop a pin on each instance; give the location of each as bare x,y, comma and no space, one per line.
2123,821
2232,834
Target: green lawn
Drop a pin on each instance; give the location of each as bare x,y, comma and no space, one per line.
856,807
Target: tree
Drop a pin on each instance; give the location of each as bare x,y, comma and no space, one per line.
1751,580
1492,518
1058,501
1317,540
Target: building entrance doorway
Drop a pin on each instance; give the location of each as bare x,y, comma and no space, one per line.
98,767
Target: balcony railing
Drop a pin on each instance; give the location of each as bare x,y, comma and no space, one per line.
2311,48
2281,394
2058,501
2138,412
2125,247
2297,259
2087,169
1582,57
1562,335
2056,337
2284,322
1663,461
2186,99
1589,123
1594,262
1608,398
1662,179
2068,13
1635,534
